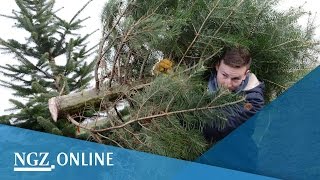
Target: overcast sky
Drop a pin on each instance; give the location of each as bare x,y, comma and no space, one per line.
94,10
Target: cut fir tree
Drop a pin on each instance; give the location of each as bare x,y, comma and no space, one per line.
166,115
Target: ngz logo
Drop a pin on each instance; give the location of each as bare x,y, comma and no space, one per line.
33,161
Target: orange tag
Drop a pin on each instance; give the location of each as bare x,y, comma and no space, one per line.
248,106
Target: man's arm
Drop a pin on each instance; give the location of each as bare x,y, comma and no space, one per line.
254,103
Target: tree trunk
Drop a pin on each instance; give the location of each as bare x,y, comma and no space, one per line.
70,103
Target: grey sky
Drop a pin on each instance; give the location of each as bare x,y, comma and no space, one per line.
94,11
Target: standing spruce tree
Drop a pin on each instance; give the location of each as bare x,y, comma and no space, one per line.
34,74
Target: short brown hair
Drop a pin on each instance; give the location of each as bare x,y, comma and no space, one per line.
236,57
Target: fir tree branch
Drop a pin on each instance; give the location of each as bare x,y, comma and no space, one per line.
143,66
96,137
118,144
126,68
102,51
167,114
135,136
146,100
23,59
73,121
55,12
282,44
212,55
7,16
125,39
222,24
198,33
283,87
83,7
144,127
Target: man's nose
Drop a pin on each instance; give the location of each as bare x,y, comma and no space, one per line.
227,83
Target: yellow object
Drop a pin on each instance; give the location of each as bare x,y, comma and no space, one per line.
163,66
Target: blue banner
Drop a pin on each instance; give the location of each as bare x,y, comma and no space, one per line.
34,155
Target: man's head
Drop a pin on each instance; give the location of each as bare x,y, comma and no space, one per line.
233,68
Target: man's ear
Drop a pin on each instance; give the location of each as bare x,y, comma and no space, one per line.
217,66
245,74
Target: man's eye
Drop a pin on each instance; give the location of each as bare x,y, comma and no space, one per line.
224,75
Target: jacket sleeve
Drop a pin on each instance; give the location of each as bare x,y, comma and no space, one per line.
254,103
238,115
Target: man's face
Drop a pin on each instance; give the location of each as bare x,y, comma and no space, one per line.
230,77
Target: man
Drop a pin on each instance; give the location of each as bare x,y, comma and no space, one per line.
232,72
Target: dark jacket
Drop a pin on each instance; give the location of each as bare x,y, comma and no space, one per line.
254,101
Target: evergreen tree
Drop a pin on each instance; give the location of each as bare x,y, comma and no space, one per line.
35,74
194,33
166,117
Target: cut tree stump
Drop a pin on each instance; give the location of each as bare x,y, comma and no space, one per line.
76,102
